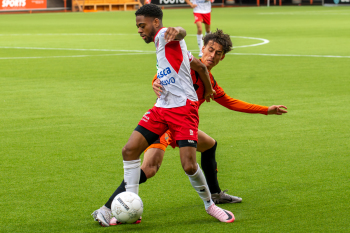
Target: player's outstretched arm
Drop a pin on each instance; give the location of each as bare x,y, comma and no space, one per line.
174,33
202,70
276,109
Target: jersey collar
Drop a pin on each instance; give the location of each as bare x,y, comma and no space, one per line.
157,33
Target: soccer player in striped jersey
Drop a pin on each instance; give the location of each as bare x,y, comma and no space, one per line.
176,110
216,45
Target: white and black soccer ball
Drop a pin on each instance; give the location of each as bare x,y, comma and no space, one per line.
127,207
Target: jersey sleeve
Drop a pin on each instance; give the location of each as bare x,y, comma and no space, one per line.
237,105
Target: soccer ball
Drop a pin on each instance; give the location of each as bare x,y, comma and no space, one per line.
127,207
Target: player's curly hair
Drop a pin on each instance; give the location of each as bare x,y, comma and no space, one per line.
221,38
150,10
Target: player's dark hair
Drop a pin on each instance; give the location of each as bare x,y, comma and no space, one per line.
221,38
150,10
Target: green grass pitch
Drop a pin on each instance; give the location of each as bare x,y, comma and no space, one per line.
73,86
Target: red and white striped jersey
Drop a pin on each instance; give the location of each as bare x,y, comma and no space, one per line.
173,71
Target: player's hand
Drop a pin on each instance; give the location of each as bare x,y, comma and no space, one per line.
157,87
209,95
276,109
171,34
193,5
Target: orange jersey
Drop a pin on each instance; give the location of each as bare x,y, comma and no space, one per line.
220,97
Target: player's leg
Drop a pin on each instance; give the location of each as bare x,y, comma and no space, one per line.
198,21
183,124
153,157
207,146
198,182
207,28
151,163
152,160
147,131
207,22
131,159
193,171
199,27
150,127
137,143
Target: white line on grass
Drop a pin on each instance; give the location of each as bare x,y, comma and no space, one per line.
96,55
264,41
119,54
69,49
337,12
140,52
69,34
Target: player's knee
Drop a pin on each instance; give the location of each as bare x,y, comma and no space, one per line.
129,153
125,152
190,168
150,171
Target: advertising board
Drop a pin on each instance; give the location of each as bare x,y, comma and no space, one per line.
22,4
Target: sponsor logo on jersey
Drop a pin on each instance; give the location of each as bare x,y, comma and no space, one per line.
167,82
164,73
146,118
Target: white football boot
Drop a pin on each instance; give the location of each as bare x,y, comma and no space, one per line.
103,215
223,197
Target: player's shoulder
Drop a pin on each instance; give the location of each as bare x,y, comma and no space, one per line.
161,32
159,38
